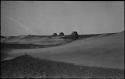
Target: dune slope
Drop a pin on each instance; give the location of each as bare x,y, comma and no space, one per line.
101,51
28,67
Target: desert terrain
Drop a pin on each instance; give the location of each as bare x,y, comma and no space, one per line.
90,56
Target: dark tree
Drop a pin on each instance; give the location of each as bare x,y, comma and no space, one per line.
54,34
74,35
61,34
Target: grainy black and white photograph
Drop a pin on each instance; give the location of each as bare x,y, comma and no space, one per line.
62,39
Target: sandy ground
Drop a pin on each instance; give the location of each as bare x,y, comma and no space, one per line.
101,51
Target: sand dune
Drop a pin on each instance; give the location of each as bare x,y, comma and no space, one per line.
39,40
101,51
26,66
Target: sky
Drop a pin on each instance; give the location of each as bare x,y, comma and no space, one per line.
48,17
